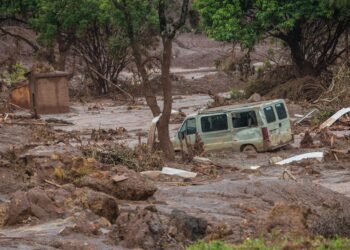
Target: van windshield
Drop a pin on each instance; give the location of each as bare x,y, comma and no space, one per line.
244,119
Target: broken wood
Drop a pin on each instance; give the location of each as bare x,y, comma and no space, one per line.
109,81
34,123
289,174
52,183
119,178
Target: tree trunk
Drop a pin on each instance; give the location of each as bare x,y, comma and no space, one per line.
163,124
304,67
347,44
151,99
63,49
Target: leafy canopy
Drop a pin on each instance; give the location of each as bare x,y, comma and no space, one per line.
247,21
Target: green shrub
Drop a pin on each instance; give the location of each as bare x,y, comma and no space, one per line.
236,94
214,245
276,243
14,74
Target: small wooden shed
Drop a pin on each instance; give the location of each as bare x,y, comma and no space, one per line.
46,93
49,92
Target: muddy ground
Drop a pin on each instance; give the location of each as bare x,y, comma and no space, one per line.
78,185
54,196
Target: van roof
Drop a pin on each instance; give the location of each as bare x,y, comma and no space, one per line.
239,106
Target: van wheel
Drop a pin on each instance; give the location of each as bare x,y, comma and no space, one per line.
248,149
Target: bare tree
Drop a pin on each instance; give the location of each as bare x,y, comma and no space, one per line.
105,53
169,23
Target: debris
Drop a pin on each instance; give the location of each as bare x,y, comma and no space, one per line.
308,115
254,167
199,159
119,178
275,159
316,155
334,118
53,183
178,172
58,121
288,175
307,141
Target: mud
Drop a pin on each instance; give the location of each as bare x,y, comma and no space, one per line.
56,195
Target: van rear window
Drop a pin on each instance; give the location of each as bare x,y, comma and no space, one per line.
281,111
214,123
269,114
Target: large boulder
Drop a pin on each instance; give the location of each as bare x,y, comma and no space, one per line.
193,228
147,228
99,203
134,187
33,203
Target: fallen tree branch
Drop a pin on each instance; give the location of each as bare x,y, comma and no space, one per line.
53,183
109,81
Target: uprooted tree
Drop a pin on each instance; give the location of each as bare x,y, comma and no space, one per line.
312,30
155,19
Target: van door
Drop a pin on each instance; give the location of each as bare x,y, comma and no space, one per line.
272,125
283,123
188,132
246,130
215,131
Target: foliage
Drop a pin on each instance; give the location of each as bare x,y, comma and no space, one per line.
214,245
228,20
320,117
14,74
300,24
139,159
277,243
236,94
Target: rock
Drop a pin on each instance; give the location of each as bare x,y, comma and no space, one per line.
287,219
254,98
144,229
136,187
34,203
193,228
99,203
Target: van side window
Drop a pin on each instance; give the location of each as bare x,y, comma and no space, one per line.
244,119
269,114
214,123
281,111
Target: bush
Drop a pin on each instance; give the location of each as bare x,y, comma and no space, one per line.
236,94
14,74
214,245
141,158
276,243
